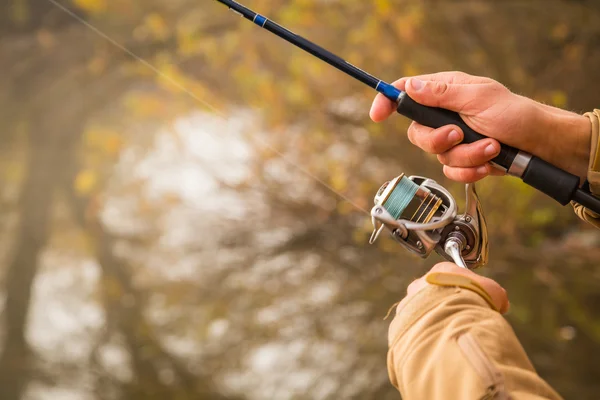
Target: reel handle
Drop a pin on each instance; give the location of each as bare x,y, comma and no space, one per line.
543,176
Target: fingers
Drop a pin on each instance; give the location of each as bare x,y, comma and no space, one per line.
456,77
467,175
463,163
452,96
383,107
469,163
435,141
470,155
452,90
470,175
496,292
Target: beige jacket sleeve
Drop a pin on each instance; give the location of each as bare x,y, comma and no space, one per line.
448,343
593,175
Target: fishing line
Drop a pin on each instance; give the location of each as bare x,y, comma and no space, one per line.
461,238
557,183
218,112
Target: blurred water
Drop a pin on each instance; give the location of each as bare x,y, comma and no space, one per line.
171,253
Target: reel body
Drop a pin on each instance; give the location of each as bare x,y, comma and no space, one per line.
422,216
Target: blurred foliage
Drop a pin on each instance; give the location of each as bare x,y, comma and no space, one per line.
261,285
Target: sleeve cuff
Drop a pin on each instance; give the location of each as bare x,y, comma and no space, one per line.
594,166
593,175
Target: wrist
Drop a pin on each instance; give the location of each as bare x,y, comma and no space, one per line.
569,137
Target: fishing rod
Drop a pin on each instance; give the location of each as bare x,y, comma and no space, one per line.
543,176
419,213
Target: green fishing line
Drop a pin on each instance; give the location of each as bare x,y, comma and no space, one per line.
401,197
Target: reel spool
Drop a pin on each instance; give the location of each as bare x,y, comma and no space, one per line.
422,216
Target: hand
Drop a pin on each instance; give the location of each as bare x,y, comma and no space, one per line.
496,292
557,136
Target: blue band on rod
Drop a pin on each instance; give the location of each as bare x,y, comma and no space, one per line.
388,91
260,20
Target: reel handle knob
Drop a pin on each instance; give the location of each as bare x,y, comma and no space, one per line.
454,248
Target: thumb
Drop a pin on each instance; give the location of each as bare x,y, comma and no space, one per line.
451,96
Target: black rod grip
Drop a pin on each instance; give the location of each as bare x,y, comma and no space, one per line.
551,180
438,117
545,177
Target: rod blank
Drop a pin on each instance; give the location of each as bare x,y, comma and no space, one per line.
545,177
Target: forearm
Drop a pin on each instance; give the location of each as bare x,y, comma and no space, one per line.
573,138
448,343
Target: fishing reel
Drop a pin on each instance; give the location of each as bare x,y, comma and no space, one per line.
422,216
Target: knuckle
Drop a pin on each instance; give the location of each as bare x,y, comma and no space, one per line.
439,143
454,157
463,174
447,171
442,267
473,158
429,144
496,89
440,88
466,175
443,158
459,76
400,83
412,133
436,147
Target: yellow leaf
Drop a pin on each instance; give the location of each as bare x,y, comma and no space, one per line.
383,6
157,26
559,99
574,52
92,6
560,31
112,288
97,65
359,236
297,93
20,12
410,70
85,182
388,245
338,181
145,105
13,172
103,139
172,79
345,208
112,144
187,43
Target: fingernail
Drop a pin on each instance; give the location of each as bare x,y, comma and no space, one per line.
490,150
416,84
454,137
482,170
